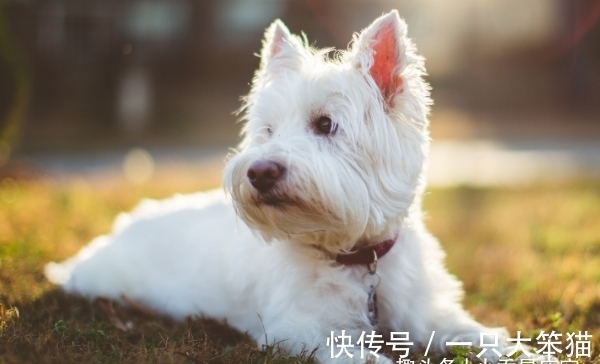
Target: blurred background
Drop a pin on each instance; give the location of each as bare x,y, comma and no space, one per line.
90,87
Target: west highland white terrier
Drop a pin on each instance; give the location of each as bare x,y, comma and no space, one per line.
319,239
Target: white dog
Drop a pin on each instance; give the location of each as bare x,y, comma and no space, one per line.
328,185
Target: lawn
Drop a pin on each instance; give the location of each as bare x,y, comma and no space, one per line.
529,259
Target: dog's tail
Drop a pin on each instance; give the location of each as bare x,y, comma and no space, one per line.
61,273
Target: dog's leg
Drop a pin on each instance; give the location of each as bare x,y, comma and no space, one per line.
420,297
331,332
455,327
439,327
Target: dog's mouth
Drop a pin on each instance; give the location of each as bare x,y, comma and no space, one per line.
271,199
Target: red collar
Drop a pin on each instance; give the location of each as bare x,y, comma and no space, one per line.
365,255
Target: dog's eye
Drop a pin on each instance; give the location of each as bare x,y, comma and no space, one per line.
324,125
270,131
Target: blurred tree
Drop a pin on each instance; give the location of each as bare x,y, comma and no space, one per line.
578,51
15,62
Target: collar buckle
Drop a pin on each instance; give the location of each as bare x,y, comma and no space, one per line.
368,255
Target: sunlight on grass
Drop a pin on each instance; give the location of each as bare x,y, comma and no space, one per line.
529,259
524,255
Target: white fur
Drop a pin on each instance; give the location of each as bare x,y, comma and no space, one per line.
272,273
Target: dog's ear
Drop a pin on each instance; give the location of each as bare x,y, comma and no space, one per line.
280,49
380,52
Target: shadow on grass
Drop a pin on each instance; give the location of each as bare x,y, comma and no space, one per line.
60,328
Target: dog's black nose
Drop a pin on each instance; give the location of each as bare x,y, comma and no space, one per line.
264,174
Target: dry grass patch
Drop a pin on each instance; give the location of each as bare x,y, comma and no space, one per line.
530,260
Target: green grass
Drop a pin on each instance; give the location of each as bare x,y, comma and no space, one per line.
529,259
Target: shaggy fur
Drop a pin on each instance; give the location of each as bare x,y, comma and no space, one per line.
272,271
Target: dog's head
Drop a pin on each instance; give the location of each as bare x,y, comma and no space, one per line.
334,147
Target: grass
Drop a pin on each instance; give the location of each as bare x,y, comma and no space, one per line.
529,259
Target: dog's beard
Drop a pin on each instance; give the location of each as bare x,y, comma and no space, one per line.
275,198
286,216
297,209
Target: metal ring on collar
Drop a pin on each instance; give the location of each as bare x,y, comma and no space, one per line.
373,274
373,270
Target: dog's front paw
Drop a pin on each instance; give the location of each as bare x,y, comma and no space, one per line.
481,343
493,347
528,355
